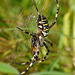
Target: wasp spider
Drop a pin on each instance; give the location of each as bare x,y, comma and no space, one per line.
37,40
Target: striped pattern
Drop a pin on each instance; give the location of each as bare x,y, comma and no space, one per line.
42,24
44,58
48,42
35,49
28,67
55,15
21,63
33,60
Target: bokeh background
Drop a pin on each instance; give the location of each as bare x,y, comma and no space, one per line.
15,45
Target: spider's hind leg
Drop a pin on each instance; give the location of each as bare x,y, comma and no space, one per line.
20,63
28,67
34,58
45,55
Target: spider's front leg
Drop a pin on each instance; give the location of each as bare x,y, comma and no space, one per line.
30,59
55,15
24,31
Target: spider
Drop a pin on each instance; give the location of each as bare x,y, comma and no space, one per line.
38,40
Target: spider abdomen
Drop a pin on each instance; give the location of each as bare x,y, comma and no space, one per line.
42,25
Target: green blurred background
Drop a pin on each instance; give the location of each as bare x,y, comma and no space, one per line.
15,45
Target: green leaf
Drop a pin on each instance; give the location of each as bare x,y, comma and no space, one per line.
50,73
66,27
4,68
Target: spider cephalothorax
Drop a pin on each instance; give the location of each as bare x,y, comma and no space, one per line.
37,40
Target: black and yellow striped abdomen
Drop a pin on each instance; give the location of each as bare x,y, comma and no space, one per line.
42,25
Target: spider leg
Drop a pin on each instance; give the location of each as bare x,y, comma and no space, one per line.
55,15
45,55
21,63
33,60
36,6
48,42
23,31
28,67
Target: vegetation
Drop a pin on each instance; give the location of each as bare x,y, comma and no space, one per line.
15,45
